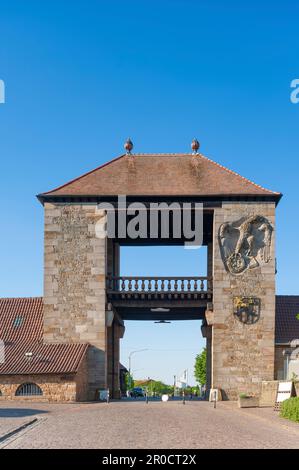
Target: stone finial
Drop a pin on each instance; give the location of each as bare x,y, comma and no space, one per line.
195,145
128,145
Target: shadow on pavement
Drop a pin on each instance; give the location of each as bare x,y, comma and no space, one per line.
19,412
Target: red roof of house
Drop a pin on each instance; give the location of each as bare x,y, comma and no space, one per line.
21,319
21,329
162,175
46,358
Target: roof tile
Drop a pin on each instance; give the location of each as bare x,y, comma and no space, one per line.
160,174
21,329
46,358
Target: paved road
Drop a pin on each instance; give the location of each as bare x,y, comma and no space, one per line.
155,425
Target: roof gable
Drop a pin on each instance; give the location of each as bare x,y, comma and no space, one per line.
160,175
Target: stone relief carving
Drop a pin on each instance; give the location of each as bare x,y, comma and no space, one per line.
245,244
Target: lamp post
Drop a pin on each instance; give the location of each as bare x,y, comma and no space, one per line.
130,355
147,391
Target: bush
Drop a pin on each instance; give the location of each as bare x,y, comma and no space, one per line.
290,409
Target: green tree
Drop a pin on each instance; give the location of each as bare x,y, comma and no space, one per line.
200,367
159,387
154,386
129,381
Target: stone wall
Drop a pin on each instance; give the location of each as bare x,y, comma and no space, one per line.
74,283
242,354
55,387
206,332
114,333
81,379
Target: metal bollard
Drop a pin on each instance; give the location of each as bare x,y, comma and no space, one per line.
108,395
183,397
146,397
215,399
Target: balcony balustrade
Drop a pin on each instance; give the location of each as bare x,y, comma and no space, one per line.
159,287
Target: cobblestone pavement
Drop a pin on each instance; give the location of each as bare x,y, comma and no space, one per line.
12,417
155,425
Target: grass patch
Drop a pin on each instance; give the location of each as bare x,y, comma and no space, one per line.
290,409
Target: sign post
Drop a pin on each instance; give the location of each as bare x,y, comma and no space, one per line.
284,391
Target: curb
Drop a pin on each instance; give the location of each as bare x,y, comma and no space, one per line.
10,434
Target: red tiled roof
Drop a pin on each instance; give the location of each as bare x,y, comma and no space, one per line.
28,312
21,329
46,358
160,174
286,323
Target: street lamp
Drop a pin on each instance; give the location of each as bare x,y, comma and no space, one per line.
130,355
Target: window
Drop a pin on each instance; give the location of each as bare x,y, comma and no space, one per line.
28,389
18,321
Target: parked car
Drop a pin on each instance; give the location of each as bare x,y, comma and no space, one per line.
137,392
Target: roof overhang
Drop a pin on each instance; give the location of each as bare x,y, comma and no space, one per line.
207,200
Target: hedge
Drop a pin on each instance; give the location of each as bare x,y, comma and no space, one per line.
290,409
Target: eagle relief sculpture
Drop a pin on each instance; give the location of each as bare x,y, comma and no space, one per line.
246,243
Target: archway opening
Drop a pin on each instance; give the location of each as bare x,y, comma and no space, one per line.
155,347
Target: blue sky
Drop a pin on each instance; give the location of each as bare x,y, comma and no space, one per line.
82,76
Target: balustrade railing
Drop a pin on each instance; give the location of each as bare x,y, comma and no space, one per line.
148,284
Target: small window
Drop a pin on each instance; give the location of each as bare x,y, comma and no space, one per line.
28,389
18,321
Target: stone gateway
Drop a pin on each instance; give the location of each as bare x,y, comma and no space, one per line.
86,301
